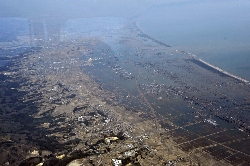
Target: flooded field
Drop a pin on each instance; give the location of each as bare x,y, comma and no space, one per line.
116,84
199,106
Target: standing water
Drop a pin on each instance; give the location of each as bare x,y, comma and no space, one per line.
215,31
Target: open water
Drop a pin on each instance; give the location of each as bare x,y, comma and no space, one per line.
215,31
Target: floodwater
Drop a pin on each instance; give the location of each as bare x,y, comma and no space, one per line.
216,31
200,109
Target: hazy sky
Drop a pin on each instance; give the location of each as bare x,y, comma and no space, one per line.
74,8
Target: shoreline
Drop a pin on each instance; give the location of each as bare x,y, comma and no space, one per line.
74,110
149,37
222,71
194,57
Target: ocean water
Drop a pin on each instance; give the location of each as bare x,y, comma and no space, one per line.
215,31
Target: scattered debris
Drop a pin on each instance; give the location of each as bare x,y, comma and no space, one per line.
116,162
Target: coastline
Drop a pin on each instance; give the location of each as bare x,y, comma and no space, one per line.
74,110
194,57
149,37
224,72
213,68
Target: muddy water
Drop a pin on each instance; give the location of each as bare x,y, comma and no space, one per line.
197,107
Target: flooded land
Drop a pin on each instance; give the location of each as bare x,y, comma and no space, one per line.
116,96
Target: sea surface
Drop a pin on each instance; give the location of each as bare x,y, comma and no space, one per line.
215,31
